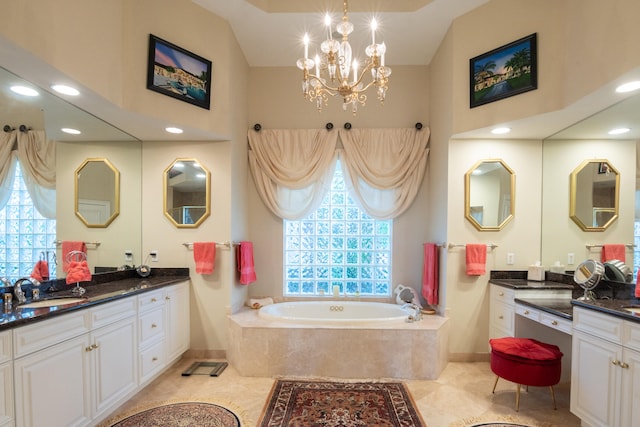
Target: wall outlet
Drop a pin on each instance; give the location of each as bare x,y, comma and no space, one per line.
571,258
511,258
128,256
154,255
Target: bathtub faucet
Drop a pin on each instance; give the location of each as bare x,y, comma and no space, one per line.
417,312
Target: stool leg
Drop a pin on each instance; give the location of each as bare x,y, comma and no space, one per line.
495,384
553,396
518,398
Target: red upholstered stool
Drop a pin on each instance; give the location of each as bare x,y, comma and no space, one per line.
526,361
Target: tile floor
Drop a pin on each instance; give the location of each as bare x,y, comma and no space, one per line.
463,391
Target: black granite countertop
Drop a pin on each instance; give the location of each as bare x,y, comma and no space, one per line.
99,291
561,307
529,284
614,307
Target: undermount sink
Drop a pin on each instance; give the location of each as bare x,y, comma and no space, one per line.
635,309
53,302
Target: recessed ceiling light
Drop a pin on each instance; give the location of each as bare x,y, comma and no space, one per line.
174,130
618,131
500,131
24,90
66,90
628,87
71,131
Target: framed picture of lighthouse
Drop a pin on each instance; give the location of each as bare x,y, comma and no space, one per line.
503,72
178,73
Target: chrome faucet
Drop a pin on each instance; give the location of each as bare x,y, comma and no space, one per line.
417,312
19,293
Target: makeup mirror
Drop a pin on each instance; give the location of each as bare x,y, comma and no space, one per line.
489,194
595,185
97,192
186,193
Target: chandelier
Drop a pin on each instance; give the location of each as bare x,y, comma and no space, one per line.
337,73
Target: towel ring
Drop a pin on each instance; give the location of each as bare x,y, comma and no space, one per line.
77,256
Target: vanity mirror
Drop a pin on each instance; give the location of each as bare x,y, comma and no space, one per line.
97,193
595,186
187,201
489,194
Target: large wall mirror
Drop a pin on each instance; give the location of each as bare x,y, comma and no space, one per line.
595,186
187,201
489,194
97,192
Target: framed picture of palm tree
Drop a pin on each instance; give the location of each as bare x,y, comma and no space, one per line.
503,72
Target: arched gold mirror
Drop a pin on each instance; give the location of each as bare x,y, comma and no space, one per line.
489,194
595,186
186,193
97,192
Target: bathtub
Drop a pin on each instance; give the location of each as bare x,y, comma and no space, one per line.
339,339
344,312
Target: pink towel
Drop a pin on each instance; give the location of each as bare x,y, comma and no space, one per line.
476,259
637,293
204,254
78,272
244,259
610,252
69,246
41,271
430,274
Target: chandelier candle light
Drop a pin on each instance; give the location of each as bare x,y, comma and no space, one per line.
338,66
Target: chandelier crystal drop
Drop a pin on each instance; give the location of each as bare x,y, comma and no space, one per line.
336,72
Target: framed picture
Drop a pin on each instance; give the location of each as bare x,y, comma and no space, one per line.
178,73
503,72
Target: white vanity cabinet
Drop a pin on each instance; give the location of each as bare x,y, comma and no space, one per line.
151,334
6,381
176,300
605,372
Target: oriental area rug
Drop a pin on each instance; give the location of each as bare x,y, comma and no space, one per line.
177,414
339,404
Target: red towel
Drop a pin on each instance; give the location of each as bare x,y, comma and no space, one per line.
610,252
430,274
41,271
637,293
78,272
69,246
244,259
204,254
476,259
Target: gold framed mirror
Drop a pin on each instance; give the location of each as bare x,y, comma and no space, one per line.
489,194
97,192
594,193
187,201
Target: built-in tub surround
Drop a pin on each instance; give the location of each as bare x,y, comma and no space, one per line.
334,312
359,350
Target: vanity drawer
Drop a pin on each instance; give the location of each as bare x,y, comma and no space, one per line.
555,322
502,317
5,346
150,300
501,294
602,325
106,314
631,335
151,325
151,361
39,335
528,312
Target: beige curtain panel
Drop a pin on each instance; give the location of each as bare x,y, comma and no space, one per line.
292,169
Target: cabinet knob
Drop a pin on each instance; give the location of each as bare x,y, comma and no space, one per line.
94,346
554,322
167,297
624,365
153,325
615,362
154,359
501,294
88,349
153,300
526,312
500,317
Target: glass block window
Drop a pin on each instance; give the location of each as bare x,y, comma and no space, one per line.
25,235
337,245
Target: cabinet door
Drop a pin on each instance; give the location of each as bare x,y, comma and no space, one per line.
113,352
6,393
177,320
630,408
52,386
595,380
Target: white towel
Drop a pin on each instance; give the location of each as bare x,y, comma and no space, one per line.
256,303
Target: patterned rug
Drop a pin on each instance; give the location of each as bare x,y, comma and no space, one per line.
343,404
177,414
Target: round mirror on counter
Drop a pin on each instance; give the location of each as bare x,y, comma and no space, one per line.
489,194
97,192
595,186
186,193
588,275
617,271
